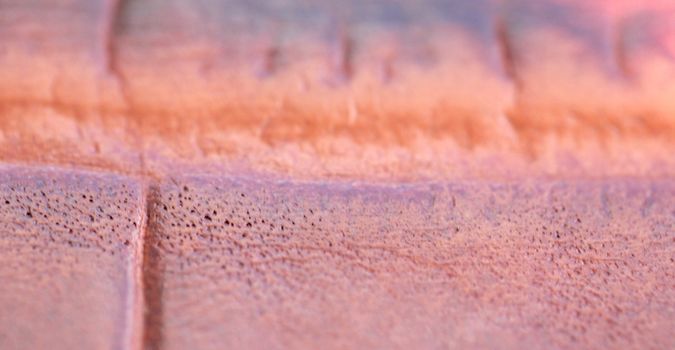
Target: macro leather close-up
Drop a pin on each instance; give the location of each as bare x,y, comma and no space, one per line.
347,174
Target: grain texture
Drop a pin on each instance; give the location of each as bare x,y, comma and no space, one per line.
280,174
68,260
268,265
